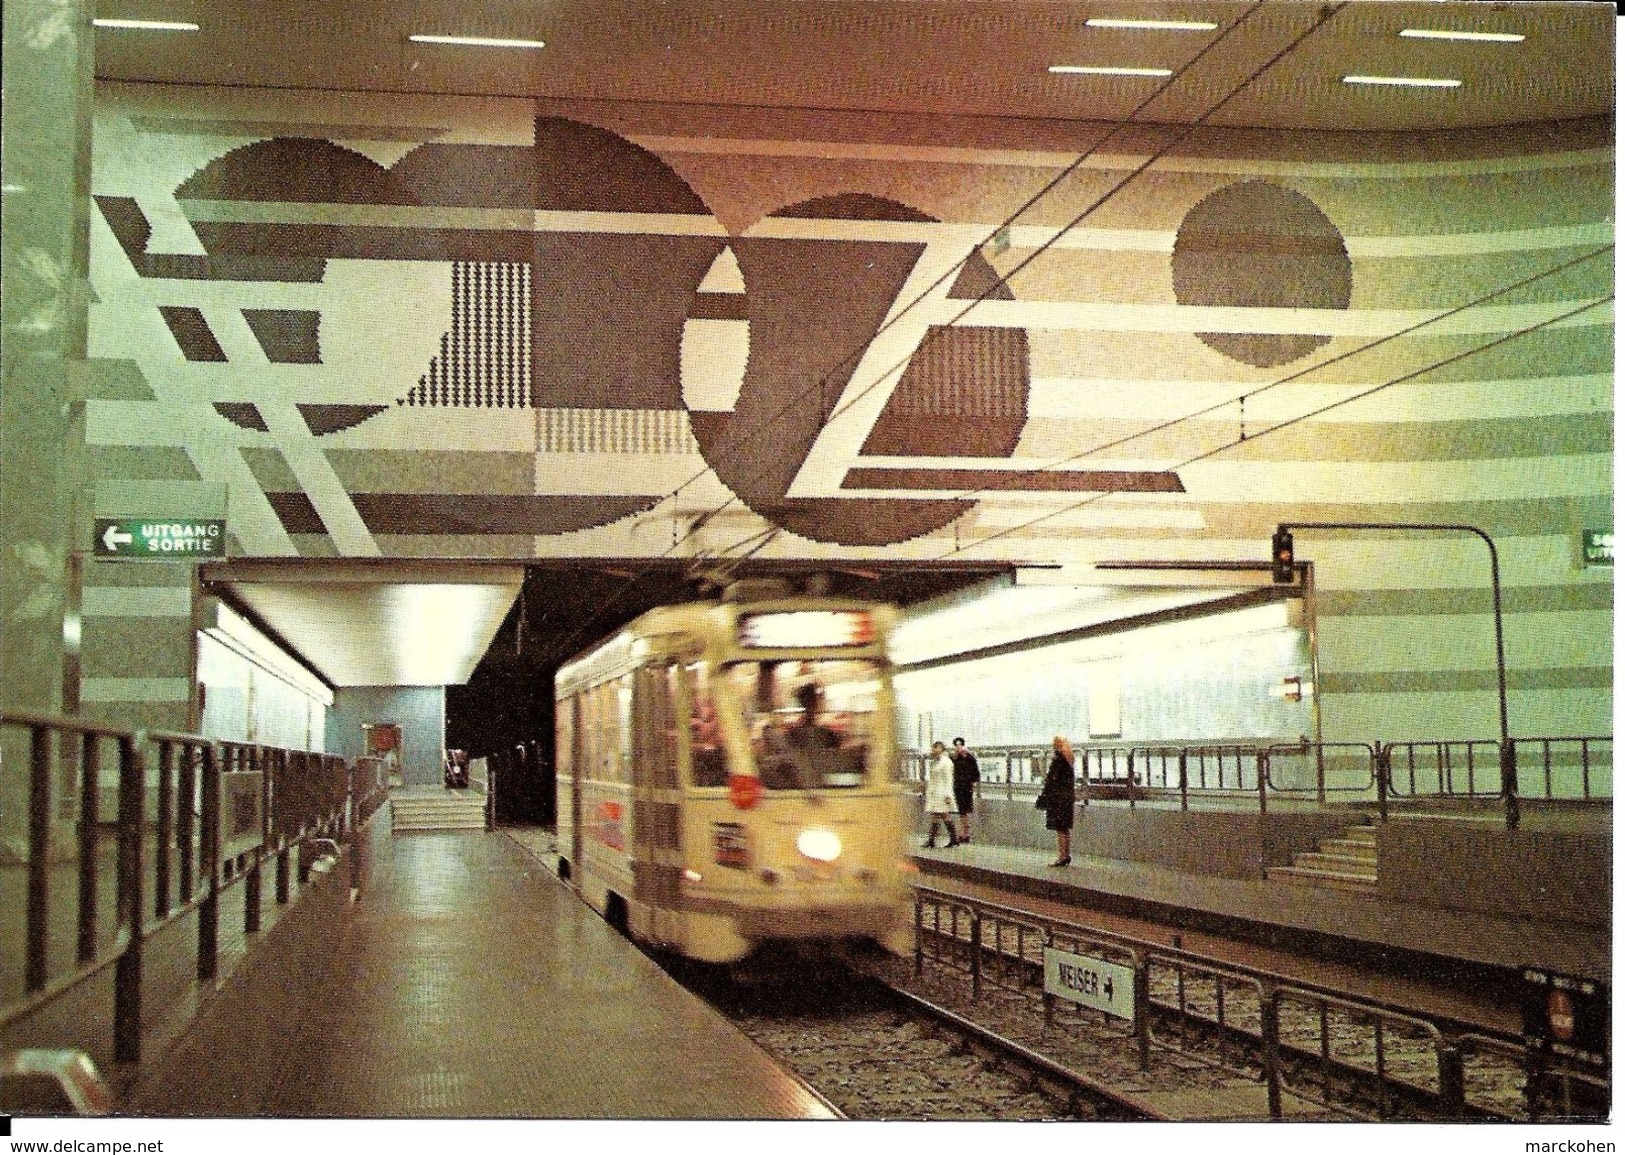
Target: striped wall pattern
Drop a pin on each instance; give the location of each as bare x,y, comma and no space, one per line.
484,359
806,313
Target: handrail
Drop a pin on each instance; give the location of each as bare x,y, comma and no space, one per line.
175,794
1551,769
1446,1035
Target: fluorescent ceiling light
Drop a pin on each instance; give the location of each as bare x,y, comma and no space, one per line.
479,41
1445,34
1403,81
1161,25
1088,70
148,25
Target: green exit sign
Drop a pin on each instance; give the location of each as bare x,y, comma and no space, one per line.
1597,547
161,539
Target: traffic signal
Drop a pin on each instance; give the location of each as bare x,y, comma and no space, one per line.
1281,557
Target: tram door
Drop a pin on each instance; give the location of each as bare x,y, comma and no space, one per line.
657,819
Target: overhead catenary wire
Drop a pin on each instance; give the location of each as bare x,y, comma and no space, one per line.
1256,390
1251,438
768,423
1325,14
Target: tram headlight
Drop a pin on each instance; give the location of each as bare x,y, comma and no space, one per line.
819,845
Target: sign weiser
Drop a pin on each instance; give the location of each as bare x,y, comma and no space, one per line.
161,539
1090,982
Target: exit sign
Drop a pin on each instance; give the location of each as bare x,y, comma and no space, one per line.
1597,547
161,539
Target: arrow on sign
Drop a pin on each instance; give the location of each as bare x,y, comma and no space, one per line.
112,539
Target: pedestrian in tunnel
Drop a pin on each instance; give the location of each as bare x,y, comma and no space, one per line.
967,773
939,795
1057,798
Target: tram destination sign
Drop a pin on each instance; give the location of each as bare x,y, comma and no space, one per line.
161,539
1090,982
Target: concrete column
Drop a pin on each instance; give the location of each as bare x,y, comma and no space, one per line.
47,53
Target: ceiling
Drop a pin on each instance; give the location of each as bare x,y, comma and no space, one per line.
965,58
402,623
432,623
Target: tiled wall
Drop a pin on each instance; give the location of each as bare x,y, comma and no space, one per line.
414,326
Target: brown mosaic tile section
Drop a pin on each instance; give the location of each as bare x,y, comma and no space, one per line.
854,207
1260,245
607,318
1016,480
132,230
192,333
322,419
418,513
296,169
719,307
963,394
288,336
296,513
243,414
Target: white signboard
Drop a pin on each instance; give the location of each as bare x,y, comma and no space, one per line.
1090,982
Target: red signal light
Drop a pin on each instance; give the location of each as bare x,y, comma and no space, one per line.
744,791
1281,560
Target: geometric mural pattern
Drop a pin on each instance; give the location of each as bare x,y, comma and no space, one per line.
612,330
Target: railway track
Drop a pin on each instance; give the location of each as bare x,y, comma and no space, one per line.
874,1051
886,1038
1292,1049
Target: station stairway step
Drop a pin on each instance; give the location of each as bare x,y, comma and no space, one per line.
1345,863
450,810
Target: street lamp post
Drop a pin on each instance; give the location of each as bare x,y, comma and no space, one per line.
1509,764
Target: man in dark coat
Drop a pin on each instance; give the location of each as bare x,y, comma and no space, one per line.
967,773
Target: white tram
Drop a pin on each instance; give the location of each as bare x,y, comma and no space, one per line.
727,775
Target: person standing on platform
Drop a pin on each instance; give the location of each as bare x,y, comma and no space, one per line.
939,795
967,773
1057,798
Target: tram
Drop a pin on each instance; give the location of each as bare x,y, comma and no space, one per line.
728,775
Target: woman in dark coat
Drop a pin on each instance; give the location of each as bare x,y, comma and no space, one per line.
1057,799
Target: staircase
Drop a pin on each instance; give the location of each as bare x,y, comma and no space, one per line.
1345,863
436,809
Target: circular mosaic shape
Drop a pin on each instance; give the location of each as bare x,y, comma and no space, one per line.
1257,245
772,344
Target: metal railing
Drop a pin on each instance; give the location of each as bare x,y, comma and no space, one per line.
208,813
1545,769
1290,1032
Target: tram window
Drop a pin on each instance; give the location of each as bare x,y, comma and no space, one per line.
706,754
811,723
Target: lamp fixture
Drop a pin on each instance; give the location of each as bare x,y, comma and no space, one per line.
1091,70
1451,34
1403,81
1153,25
147,25
477,41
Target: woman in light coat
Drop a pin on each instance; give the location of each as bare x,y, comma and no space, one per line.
939,794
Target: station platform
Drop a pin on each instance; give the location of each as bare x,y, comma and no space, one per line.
1363,931
470,983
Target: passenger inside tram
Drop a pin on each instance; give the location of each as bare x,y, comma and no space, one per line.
799,741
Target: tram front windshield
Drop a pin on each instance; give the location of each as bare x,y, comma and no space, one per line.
811,723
